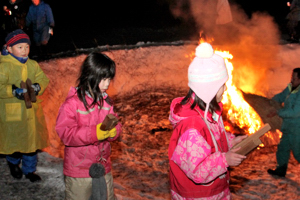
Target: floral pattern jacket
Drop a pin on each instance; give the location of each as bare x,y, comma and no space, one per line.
205,170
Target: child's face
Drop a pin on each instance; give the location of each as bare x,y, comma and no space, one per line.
103,85
220,93
19,50
295,80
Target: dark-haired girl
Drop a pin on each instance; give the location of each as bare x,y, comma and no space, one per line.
78,125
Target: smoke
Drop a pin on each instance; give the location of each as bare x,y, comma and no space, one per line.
253,41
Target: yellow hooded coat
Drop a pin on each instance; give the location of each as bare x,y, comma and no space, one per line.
21,129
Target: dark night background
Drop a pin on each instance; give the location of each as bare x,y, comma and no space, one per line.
88,24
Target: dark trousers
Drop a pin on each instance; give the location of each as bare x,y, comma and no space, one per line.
29,161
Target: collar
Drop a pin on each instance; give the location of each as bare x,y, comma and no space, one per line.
104,94
293,90
20,59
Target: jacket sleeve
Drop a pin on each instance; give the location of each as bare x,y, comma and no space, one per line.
230,137
193,155
69,130
41,79
29,17
50,18
292,111
281,96
118,126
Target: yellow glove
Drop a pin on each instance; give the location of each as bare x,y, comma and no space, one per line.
102,135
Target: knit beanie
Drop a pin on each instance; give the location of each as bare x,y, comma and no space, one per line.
16,37
207,73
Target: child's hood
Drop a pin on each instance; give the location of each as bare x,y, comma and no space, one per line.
179,112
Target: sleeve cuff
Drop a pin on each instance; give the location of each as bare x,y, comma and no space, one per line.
225,161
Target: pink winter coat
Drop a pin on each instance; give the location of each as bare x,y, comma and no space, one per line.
77,129
196,168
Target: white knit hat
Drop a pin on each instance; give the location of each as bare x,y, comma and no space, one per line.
207,73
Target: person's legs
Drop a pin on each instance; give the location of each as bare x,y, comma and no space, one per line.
297,31
29,163
283,150
282,156
291,25
78,188
13,161
44,36
295,142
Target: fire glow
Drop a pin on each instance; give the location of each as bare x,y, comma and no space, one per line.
239,112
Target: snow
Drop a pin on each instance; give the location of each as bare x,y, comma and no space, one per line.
147,79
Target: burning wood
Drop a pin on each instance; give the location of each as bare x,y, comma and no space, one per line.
239,112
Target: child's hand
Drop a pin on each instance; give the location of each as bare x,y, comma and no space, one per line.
36,87
18,92
102,135
238,139
233,159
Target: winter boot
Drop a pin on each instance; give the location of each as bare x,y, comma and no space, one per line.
279,171
15,170
30,90
26,95
33,177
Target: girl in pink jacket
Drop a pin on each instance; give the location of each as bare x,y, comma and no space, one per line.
199,149
78,125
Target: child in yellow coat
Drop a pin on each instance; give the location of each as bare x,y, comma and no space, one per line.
23,129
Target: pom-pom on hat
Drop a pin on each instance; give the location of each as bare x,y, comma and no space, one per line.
207,73
16,37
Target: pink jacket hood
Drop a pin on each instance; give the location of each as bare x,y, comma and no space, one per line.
179,112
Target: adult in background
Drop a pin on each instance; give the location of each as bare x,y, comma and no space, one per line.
290,114
41,19
293,18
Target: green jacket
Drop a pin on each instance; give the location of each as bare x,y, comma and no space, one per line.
21,130
290,112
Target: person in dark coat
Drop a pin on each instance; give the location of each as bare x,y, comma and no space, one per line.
40,18
290,114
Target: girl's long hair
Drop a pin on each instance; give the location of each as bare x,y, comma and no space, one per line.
95,68
213,106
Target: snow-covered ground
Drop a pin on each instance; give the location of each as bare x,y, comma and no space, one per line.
147,79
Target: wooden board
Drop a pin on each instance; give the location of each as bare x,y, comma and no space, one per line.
252,141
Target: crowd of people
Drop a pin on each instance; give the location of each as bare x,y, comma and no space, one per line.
33,17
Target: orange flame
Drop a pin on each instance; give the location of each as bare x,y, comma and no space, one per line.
239,111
